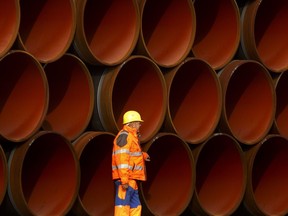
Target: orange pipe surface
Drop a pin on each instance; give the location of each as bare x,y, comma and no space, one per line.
137,84
107,31
9,25
23,96
194,100
167,30
71,96
47,28
170,176
267,191
220,176
96,192
218,31
44,175
249,101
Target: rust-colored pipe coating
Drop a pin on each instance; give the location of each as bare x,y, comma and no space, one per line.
264,33
194,100
44,175
96,192
106,31
3,174
281,115
9,24
71,96
167,31
249,101
267,190
218,31
170,176
47,28
137,84
220,176
23,96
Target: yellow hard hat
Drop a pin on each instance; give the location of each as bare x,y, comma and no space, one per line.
131,116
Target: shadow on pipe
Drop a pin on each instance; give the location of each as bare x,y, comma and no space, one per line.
264,33
167,31
44,175
9,25
218,31
136,84
267,191
47,28
194,100
170,176
23,96
249,101
221,176
106,31
96,192
71,96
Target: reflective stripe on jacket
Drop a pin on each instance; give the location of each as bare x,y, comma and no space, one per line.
128,160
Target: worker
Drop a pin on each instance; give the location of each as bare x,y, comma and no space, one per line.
128,166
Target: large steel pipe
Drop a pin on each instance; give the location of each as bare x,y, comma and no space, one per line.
167,31
249,101
264,33
3,174
136,84
281,115
220,176
267,191
106,31
170,176
9,25
44,175
218,31
194,100
47,28
23,96
96,192
71,96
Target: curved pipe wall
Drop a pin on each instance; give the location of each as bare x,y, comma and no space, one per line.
47,28
167,31
136,84
281,115
249,101
3,174
43,175
9,25
107,31
71,96
23,96
96,192
221,176
218,31
170,176
194,100
267,191
263,33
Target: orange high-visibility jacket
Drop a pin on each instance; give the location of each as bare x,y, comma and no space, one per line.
128,160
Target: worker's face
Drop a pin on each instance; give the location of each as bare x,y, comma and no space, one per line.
136,125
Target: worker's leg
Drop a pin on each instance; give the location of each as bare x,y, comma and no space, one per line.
135,205
122,200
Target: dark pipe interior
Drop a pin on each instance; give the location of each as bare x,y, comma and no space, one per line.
49,175
195,101
270,175
168,28
170,176
221,177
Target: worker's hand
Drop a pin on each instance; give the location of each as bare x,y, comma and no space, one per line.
125,186
147,159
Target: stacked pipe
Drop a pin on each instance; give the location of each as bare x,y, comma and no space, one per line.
207,76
